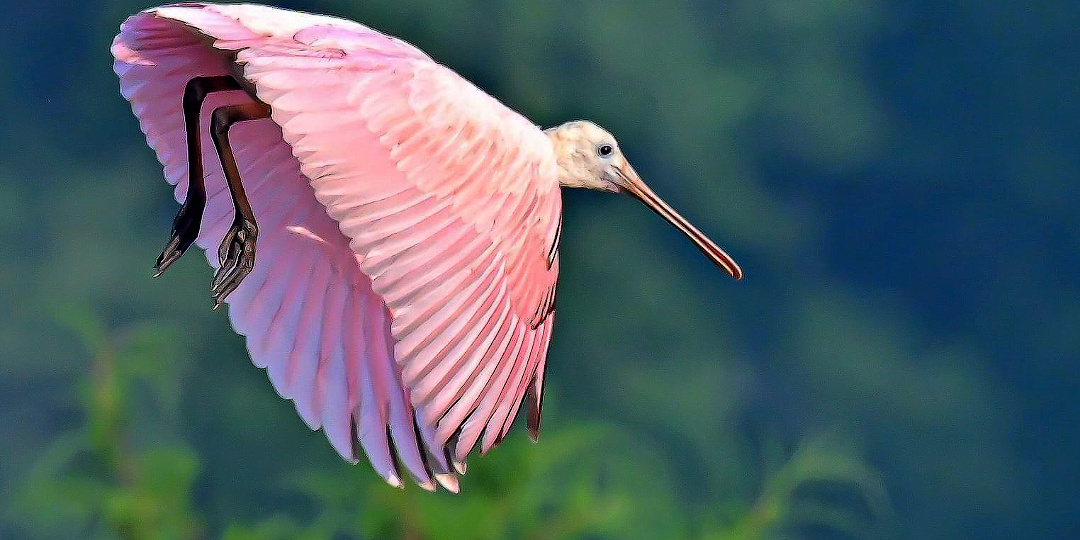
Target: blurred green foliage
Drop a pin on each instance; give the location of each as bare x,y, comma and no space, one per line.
101,480
897,179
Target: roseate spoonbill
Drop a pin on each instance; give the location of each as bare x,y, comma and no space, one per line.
406,223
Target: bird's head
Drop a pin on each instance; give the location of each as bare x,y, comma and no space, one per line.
589,157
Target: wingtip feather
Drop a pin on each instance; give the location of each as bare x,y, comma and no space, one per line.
448,481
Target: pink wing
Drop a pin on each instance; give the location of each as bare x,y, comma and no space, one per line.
406,264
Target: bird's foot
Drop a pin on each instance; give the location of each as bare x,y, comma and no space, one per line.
185,230
237,257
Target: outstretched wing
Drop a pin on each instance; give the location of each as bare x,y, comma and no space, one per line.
447,201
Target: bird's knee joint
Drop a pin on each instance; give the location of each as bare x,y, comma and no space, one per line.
220,120
193,93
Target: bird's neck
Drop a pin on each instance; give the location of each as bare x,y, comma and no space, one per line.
558,142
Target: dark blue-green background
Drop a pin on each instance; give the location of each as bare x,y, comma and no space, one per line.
899,180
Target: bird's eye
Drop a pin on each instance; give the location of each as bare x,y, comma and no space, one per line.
604,150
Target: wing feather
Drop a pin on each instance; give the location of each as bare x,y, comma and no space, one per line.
331,382
299,376
373,411
484,407
404,285
451,422
446,383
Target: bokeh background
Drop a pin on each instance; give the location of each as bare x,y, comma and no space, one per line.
899,180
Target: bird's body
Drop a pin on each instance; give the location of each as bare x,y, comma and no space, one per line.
408,223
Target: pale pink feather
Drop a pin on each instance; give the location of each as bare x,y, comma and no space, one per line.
406,259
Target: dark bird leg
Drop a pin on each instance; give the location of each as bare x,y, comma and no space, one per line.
237,251
185,228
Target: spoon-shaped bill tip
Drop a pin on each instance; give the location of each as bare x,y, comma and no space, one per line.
636,187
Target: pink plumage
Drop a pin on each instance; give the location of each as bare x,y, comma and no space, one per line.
394,283
407,223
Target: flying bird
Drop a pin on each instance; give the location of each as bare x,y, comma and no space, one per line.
386,235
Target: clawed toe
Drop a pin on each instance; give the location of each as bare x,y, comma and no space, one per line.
237,257
185,230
